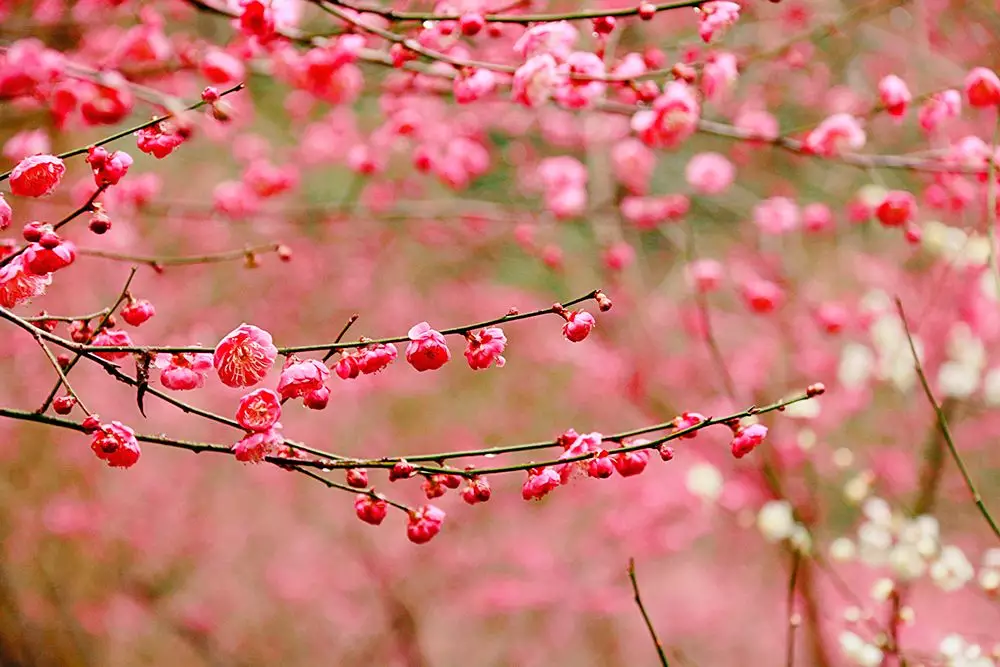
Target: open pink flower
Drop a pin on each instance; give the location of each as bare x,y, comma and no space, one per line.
716,18
36,176
425,522
115,443
376,357
555,38
158,140
108,168
259,410
244,356
837,134
672,119
536,80
41,260
253,447
938,109
427,350
299,378
485,348
183,372
474,85
18,284
112,338
580,93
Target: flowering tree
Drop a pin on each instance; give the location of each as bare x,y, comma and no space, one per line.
224,220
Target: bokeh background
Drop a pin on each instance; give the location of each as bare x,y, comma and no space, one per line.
191,559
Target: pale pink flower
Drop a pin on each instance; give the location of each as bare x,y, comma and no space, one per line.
648,212
758,124
557,173
710,173
894,94
575,93
941,107
716,18
840,133
536,80
474,85
704,275
673,118
817,217
633,163
555,39
25,143
777,215
719,74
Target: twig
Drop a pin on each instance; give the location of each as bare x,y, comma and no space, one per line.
340,336
794,620
642,610
318,347
943,425
59,371
86,206
190,260
395,16
132,130
104,320
991,204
